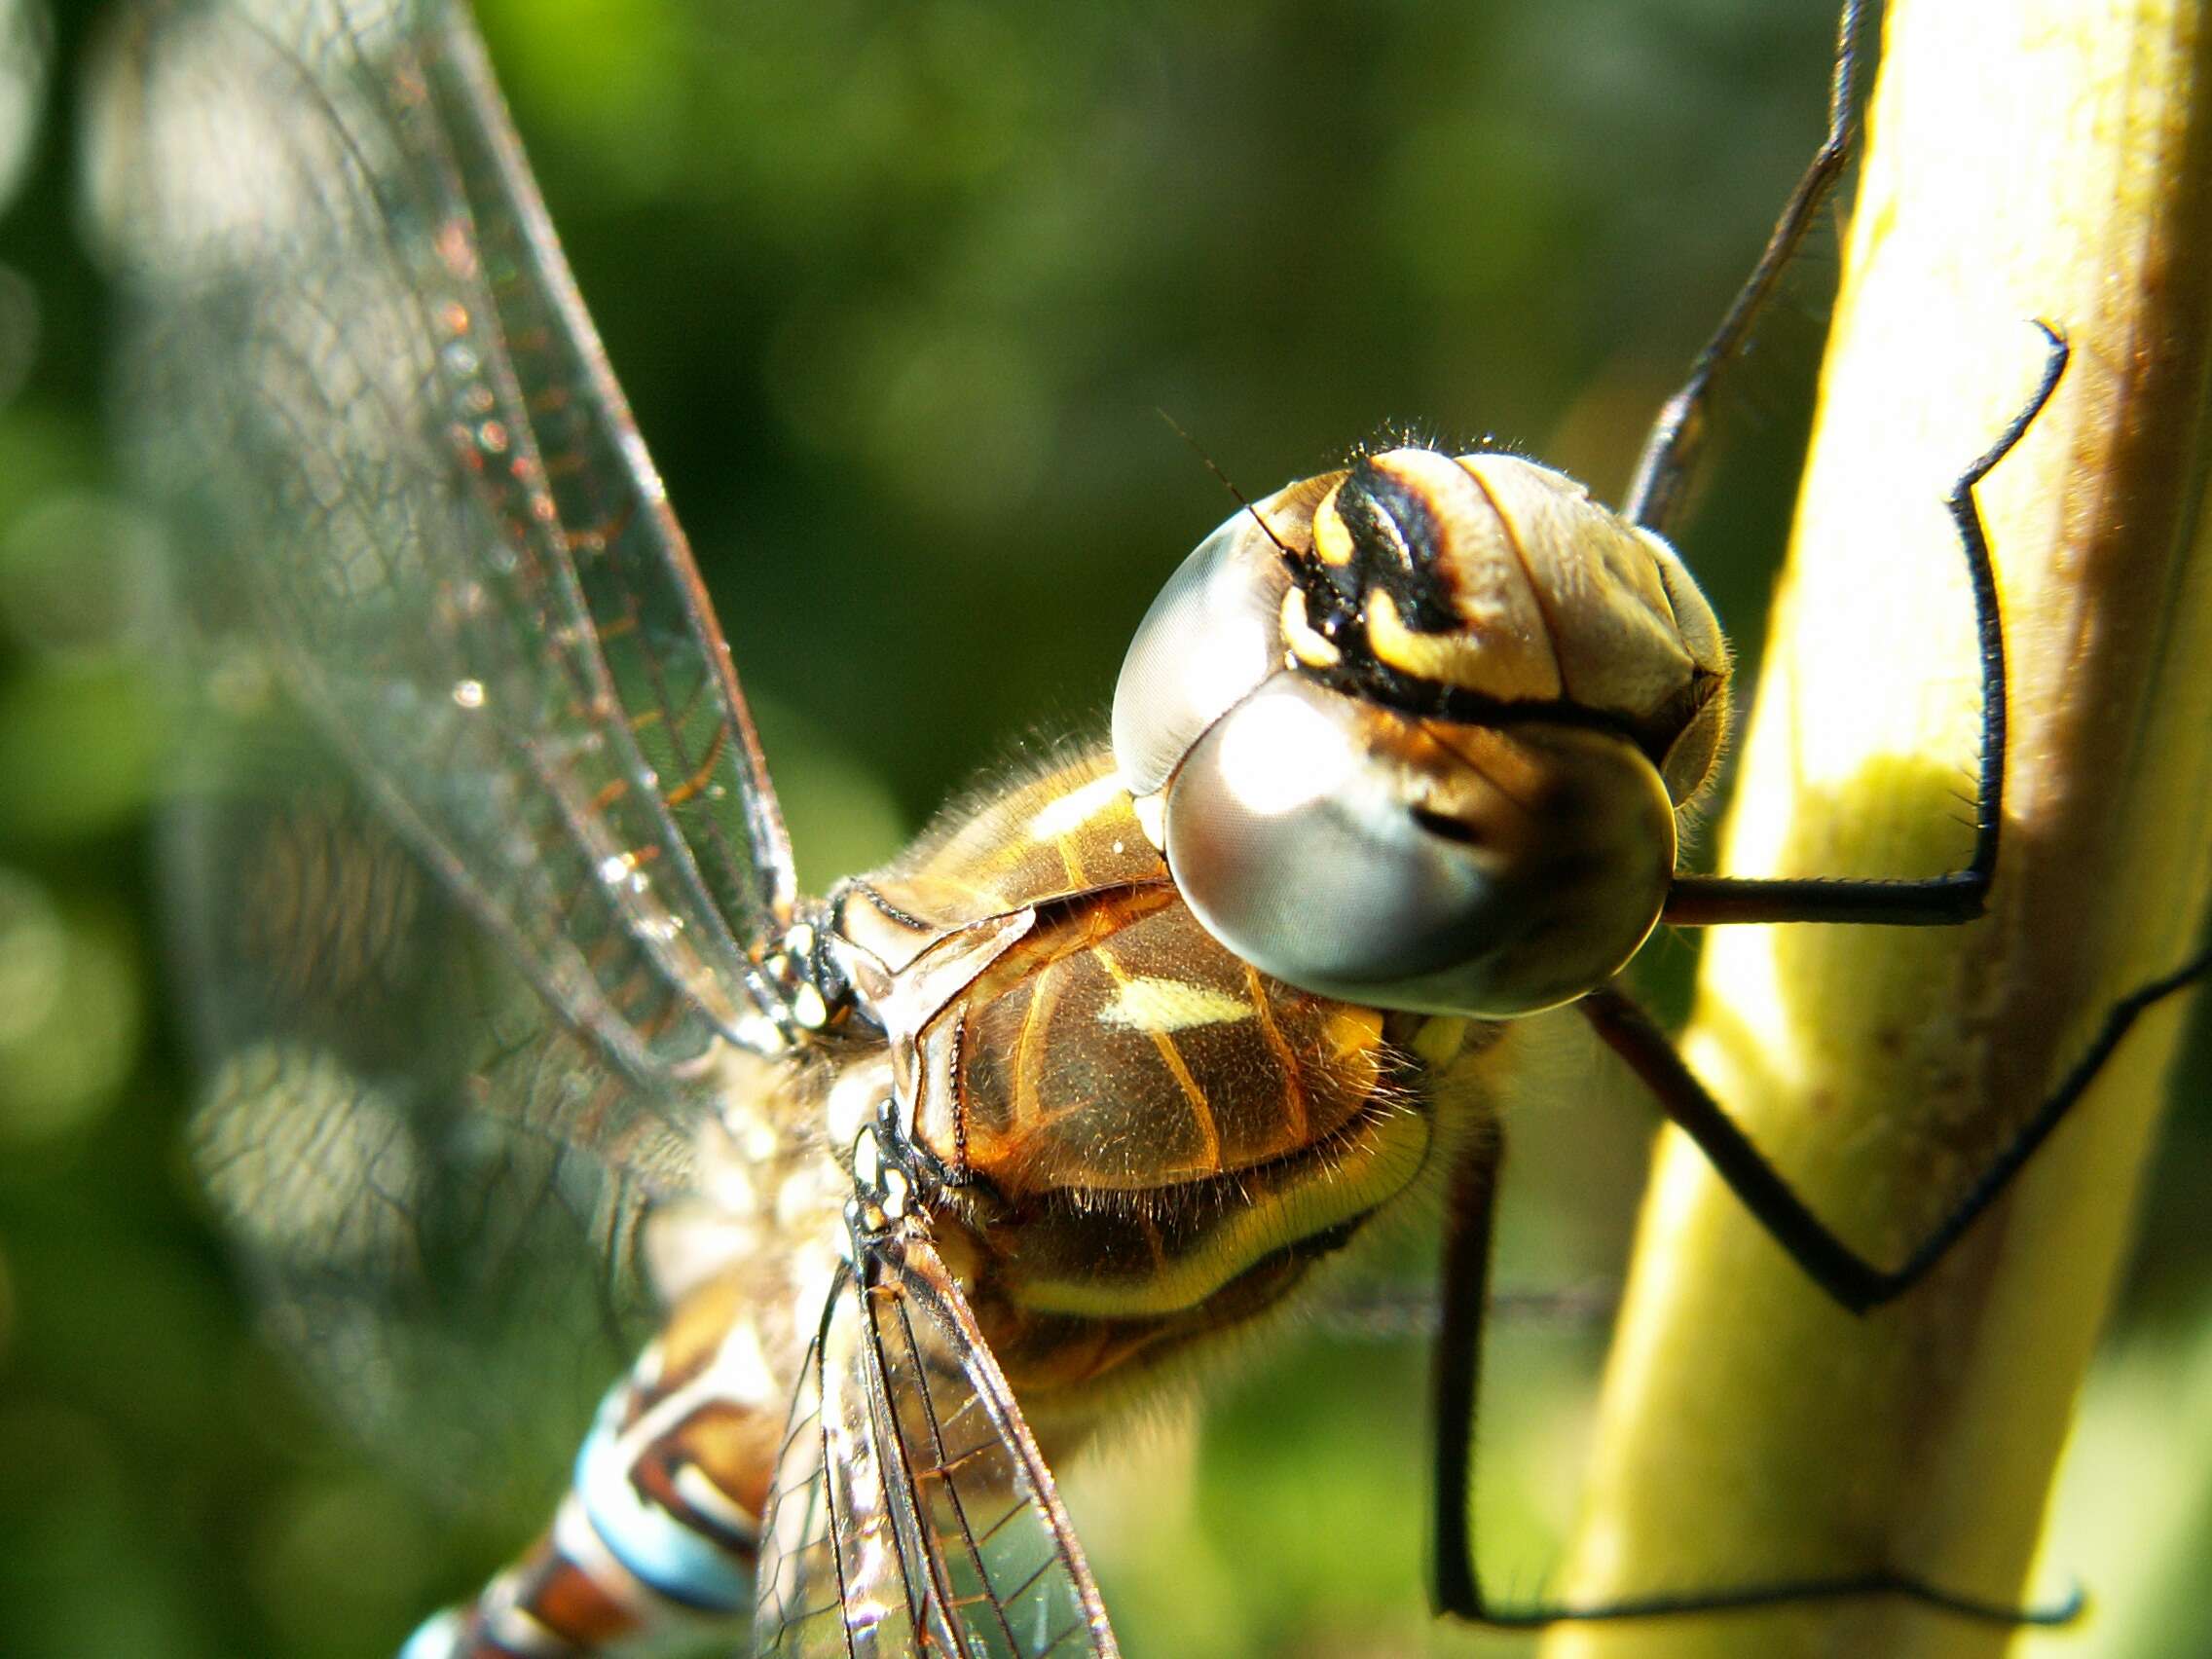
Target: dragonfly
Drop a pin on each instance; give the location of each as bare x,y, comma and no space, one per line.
873,1207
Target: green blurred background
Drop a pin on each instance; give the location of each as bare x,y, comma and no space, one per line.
895,287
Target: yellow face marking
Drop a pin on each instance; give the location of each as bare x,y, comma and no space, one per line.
1156,1005
1445,659
1064,813
1332,542
1306,646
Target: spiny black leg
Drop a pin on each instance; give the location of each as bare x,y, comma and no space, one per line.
1831,1264
1456,1379
1847,1276
1781,1593
2118,1020
1671,452
1957,896
1455,1585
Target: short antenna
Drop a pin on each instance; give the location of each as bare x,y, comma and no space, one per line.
1227,483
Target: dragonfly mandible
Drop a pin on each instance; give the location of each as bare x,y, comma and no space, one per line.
513,992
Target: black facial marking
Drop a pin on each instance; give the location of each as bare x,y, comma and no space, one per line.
1398,546
1396,543
1359,674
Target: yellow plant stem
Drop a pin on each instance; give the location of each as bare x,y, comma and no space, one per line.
2027,159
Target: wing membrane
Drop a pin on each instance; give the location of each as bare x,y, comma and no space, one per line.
831,1577
439,1187
420,506
912,1512
474,840
634,575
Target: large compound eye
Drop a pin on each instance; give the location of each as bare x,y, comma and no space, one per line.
1419,741
1477,870
1209,637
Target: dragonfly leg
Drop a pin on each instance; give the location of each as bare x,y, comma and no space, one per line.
1456,1582
1956,896
1790,1591
1847,1276
1455,1375
1671,452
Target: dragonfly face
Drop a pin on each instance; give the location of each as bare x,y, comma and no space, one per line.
1421,742
518,1016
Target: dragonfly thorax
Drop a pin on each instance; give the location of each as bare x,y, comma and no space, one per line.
1129,1138
1416,733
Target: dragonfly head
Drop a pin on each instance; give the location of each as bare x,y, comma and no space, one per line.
1416,734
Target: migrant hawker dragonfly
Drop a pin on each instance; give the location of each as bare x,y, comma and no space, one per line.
501,936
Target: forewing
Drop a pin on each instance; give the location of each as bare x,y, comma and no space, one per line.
474,838
913,1513
412,497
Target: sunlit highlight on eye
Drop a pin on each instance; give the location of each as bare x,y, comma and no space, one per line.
1219,676
1279,755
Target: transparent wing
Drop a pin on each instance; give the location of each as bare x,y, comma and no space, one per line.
438,1185
912,1513
831,1577
415,497
475,840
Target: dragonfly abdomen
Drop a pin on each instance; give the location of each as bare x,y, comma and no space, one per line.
661,1525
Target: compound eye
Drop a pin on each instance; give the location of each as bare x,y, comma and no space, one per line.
1208,640
1400,863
